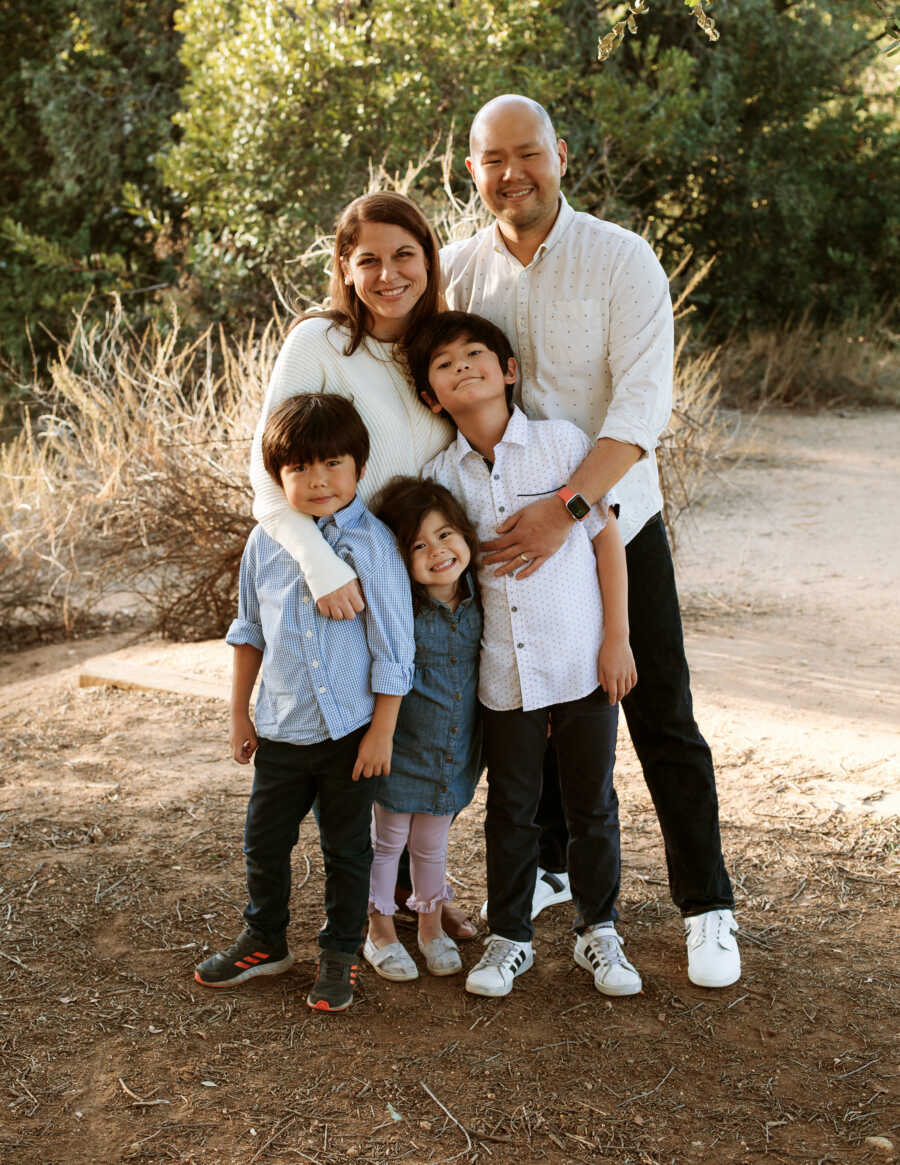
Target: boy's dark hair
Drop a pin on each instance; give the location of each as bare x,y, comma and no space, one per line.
404,504
443,329
312,427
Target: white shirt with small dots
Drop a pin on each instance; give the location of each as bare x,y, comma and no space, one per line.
590,322
542,634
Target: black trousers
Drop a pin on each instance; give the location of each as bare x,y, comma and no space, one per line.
584,734
287,779
675,758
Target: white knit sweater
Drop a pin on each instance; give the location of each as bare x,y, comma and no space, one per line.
403,434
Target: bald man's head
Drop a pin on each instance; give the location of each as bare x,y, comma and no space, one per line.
509,102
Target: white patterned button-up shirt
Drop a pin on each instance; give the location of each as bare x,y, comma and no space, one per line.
542,634
590,321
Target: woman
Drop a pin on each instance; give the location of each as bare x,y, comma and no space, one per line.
385,279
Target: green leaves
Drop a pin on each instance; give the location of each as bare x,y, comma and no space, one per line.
86,93
195,153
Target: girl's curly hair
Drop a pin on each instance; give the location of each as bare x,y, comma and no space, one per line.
403,505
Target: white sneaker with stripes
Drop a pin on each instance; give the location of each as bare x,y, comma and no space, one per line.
599,950
501,962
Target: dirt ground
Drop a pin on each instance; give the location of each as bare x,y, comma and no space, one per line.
120,867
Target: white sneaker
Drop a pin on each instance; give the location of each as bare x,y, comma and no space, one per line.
441,955
599,950
713,956
502,960
391,962
549,889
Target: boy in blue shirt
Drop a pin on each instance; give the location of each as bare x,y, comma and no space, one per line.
327,703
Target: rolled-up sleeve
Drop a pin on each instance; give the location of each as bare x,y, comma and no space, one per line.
389,621
571,446
242,631
598,517
640,348
246,628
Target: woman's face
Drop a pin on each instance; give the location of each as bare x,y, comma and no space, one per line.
388,269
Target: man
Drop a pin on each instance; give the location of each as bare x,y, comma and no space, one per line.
586,305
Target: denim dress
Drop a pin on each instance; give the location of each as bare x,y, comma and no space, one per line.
437,744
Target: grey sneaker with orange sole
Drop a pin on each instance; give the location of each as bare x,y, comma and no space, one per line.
336,975
246,958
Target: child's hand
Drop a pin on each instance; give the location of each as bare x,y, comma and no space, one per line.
615,668
374,756
244,740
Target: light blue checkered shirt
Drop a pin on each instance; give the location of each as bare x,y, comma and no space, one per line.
319,675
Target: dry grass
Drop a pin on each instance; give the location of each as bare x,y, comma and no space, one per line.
134,480
694,438
803,365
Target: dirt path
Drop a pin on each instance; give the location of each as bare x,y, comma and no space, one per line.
119,864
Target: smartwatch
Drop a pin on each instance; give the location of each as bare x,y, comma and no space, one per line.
577,506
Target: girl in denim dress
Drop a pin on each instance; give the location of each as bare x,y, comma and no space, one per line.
436,760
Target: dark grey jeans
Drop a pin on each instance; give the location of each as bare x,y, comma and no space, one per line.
287,779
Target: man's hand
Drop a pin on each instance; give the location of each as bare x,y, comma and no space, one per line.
344,603
244,740
615,668
528,538
373,758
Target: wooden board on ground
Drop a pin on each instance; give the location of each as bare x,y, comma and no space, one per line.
119,673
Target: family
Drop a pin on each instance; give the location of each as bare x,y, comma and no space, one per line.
460,563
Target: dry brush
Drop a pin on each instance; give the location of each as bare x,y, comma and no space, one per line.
131,488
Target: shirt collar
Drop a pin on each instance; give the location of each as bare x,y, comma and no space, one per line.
515,433
561,224
468,587
348,516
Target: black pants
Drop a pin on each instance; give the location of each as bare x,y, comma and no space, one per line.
584,734
675,758
286,781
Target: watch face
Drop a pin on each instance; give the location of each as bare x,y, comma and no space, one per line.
578,507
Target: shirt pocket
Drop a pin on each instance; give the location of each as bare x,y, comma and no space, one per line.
573,338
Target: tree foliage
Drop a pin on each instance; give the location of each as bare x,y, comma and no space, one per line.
200,149
86,96
287,105
789,171
761,149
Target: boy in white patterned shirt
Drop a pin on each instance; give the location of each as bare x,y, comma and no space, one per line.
555,644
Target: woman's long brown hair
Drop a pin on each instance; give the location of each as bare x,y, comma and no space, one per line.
394,209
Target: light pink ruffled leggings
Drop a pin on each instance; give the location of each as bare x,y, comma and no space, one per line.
426,836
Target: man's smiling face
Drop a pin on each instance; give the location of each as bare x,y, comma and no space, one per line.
517,165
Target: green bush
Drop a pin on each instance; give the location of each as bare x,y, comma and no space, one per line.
87,90
191,155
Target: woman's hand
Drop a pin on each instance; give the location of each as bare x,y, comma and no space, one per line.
529,537
344,603
616,670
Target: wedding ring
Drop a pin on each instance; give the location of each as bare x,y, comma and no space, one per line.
524,558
